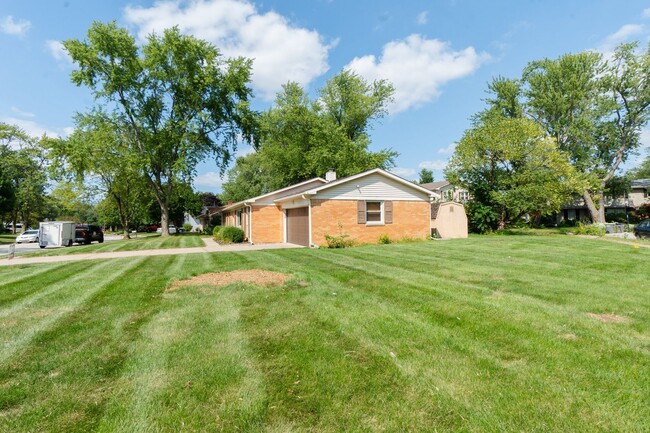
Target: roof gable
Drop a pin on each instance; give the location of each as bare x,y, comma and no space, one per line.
371,184
269,197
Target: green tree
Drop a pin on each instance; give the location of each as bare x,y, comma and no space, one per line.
75,201
96,150
303,138
23,177
511,167
595,109
426,176
184,199
181,101
642,171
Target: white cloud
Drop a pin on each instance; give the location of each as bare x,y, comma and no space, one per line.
280,51
210,179
623,34
22,113
403,172
417,67
57,51
31,128
422,18
646,13
11,27
447,150
438,164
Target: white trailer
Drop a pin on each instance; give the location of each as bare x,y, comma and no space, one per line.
56,234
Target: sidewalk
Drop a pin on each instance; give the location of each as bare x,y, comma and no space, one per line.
210,247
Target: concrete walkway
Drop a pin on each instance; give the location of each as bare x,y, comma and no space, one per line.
210,247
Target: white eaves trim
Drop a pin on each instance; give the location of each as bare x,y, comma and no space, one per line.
250,201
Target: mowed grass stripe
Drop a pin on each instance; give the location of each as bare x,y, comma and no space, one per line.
559,285
500,334
341,317
64,377
316,377
368,339
20,281
23,321
138,243
464,295
191,369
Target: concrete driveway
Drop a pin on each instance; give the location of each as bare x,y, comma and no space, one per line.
210,247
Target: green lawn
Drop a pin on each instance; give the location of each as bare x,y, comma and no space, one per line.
7,238
495,333
141,242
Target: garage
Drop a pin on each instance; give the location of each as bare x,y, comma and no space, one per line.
298,226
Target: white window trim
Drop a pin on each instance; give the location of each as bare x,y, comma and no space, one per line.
381,221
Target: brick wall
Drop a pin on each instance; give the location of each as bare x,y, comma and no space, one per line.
410,219
268,224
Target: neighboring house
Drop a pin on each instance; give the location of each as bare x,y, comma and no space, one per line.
445,191
205,217
638,196
364,206
193,221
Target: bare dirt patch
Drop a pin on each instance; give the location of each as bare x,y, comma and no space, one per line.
256,277
610,318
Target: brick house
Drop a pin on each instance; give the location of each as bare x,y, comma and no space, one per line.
364,206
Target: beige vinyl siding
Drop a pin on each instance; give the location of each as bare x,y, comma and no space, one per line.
374,187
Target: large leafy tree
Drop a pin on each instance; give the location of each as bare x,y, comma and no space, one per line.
594,108
181,101
302,138
96,150
23,177
512,168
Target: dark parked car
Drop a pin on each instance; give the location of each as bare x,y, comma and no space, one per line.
642,230
86,233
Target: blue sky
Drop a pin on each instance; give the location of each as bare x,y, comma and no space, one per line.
439,55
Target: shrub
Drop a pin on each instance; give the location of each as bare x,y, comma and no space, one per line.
482,218
589,229
615,217
341,241
187,227
215,232
384,239
230,234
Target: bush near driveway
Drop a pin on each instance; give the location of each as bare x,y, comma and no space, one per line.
230,235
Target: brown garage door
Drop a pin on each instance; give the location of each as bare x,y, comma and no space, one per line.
298,226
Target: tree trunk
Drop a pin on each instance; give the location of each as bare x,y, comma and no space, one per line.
601,208
594,213
164,219
124,219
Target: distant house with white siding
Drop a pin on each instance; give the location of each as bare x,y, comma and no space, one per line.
445,191
364,206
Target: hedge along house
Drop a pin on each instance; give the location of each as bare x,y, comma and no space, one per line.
364,206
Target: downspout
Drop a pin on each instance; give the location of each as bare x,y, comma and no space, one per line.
250,224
